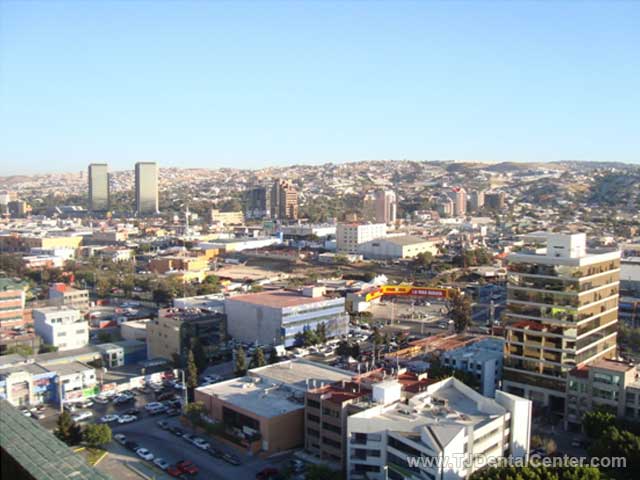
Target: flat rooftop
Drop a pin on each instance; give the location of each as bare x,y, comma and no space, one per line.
614,365
275,389
277,299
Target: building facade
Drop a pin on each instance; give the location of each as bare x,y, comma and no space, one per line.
381,206
146,188
98,187
62,327
284,201
349,236
562,313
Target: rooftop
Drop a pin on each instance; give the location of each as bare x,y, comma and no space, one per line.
403,240
613,365
39,452
276,299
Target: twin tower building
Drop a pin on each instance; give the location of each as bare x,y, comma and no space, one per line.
146,192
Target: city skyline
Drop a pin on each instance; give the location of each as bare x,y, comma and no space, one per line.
315,83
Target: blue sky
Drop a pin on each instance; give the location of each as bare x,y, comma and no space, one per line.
252,84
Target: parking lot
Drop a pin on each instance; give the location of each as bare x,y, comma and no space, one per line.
420,317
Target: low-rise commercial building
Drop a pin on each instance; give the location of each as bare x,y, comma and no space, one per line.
62,327
173,332
264,410
61,294
277,316
405,246
448,420
12,301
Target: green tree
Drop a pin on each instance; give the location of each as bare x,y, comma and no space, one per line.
309,338
96,435
344,349
24,350
321,332
539,472
422,260
459,307
194,412
47,348
241,362
273,356
200,356
322,472
597,421
258,358
192,371
67,430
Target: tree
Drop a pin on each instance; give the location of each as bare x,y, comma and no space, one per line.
24,350
200,356
192,371
96,435
241,362
321,472
597,421
422,260
258,358
47,348
194,412
321,332
344,349
273,356
538,472
162,293
309,338
459,307
67,430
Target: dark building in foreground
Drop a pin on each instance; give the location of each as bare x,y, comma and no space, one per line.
29,452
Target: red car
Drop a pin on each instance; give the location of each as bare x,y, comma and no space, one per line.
174,471
186,466
267,473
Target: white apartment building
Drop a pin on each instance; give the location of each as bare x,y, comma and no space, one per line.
349,236
62,327
442,426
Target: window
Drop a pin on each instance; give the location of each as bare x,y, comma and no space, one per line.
313,418
313,403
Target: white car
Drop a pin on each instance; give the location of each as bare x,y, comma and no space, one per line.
121,438
201,443
109,418
79,417
161,463
153,406
144,454
127,419
101,399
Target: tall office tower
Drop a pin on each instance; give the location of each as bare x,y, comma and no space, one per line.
476,200
380,206
459,197
146,188
562,314
495,200
257,202
284,201
98,187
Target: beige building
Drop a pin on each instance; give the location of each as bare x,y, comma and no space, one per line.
562,313
349,236
146,188
61,294
405,246
226,218
608,384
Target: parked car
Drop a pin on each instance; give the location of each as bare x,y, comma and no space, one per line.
144,454
172,412
163,424
158,410
297,465
127,419
178,432
121,438
267,473
121,399
37,415
85,404
101,399
231,458
109,418
133,446
80,417
187,466
201,443
215,452
188,437
132,411
161,463
174,471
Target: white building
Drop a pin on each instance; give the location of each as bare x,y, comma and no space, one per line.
349,236
61,327
276,316
442,426
405,246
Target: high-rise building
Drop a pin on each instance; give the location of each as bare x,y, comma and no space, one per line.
476,200
284,201
98,187
562,314
258,202
458,196
495,200
146,188
380,206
